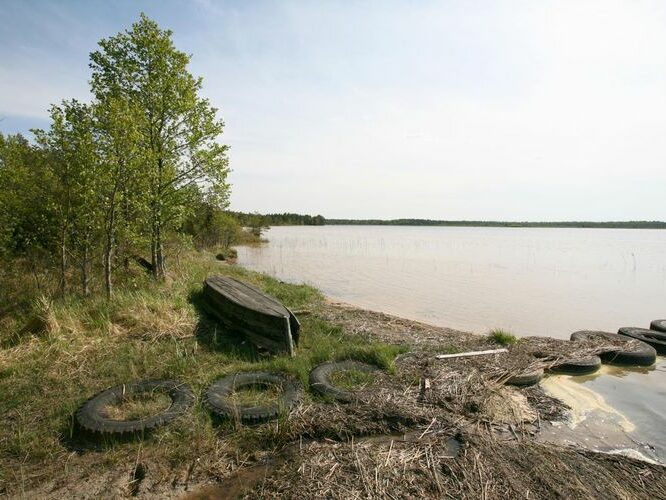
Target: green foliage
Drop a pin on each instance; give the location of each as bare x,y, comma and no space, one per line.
210,227
285,219
119,176
502,337
26,216
178,130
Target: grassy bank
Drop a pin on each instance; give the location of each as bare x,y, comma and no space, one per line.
82,346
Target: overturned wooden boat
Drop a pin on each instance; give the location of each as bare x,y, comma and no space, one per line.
262,319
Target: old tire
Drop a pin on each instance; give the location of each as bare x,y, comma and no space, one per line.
217,396
320,379
91,415
651,337
658,325
526,378
581,366
640,355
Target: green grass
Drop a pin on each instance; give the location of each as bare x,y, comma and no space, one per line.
502,337
146,331
352,380
255,395
137,406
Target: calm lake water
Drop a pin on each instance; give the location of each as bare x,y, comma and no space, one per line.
532,281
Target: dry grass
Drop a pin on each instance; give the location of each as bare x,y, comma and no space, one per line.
149,320
485,468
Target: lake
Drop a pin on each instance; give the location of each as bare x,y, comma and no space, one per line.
531,281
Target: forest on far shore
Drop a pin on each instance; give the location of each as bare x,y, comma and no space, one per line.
292,219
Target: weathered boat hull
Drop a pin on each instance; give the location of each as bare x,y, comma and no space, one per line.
262,319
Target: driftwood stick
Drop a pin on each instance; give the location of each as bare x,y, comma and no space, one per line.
471,353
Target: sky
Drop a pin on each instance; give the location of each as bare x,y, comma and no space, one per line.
476,110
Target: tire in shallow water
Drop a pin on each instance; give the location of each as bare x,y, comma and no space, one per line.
320,378
526,378
641,354
218,396
91,415
658,325
650,337
580,366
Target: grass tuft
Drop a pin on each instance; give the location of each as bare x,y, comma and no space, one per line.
502,337
352,380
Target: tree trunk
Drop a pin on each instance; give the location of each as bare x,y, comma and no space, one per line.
159,254
110,238
153,249
157,250
63,261
85,277
108,255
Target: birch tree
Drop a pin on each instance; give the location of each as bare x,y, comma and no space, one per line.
177,127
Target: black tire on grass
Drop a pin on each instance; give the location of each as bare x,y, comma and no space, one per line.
320,378
91,416
658,325
217,396
641,354
580,366
526,379
650,337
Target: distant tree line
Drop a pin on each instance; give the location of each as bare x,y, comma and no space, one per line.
121,175
283,219
291,219
466,223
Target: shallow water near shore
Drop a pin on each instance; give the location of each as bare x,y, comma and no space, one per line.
616,409
532,281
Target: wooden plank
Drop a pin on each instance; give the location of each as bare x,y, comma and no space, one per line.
471,353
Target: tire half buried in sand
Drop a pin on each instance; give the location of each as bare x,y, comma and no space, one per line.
218,397
658,325
526,378
581,366
638,354
320,378
92,415
650,337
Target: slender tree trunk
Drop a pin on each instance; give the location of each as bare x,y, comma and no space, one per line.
110,236
159,248
85,276
153,249
123,246
108,253
63,261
